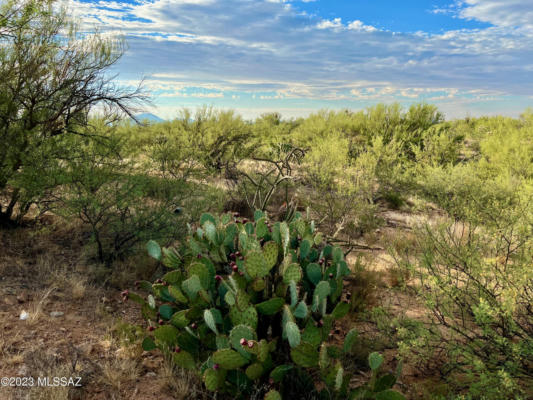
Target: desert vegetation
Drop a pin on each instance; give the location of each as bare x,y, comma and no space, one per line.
379,254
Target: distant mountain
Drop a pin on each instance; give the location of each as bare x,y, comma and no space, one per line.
148,117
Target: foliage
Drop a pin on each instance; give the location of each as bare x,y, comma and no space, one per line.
247,302
51,79
474,274
121,207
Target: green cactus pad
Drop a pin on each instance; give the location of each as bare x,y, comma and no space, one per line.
166,311
192,286
293,333
184,359
323,358
179,319
270,307
230,235
255,264
337,255
270,252
301,310
222,342
207,217
258,285
229,359
258,214
148,344
349,340
264,350
305,247
322,290
375,360
273,395
210,232
279,372
340,310
292,273
241,332
314,273
210,379
242,300
177,294
254,371
166,334
173,277
171,258
229,298
318,238
202,272
312,334
154,249
209,319
261,229
246,317
305,355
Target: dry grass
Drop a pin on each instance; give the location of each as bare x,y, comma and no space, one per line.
119,372
180,382
36,307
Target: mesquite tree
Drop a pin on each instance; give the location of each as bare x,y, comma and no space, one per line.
51,77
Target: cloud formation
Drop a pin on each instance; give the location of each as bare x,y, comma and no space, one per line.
232,50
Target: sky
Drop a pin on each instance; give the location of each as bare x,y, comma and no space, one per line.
468,57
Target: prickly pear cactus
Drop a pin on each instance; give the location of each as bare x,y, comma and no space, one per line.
241,295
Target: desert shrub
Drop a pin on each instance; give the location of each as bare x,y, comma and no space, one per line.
121,207
52,77
249,303
474,276
266,176
341,193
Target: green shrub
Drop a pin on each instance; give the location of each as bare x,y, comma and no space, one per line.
476,282
245,303
120,206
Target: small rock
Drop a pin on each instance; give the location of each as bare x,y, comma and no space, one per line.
23,370
109,309
24,315
150,374
55,314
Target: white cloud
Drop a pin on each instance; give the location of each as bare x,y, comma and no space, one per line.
268,48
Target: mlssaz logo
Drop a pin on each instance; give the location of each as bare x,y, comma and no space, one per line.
59,381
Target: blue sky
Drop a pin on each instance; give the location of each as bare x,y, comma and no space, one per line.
469,57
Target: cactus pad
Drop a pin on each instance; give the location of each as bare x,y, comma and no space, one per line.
273,395
292,273
184,359
293,333
305,355
270,307
166,334
314,273
255,264
210,379
202,272
192,286
229,359
258,285
305,247
246,317
254,371
177,294
241,332
270,252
